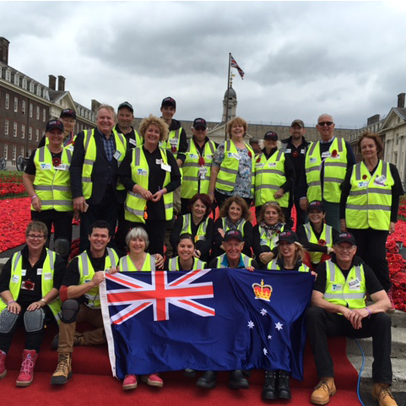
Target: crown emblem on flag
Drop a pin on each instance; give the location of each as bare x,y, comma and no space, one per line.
261,291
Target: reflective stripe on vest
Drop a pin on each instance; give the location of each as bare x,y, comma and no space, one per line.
47,280
273,266
245,259
87,272
52,185
228,172
370,200
187,227
269,177
326,235
135,204
196,178
173,264
335,168
350,292
89,146
127,265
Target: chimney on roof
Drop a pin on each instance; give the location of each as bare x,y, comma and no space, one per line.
4,43
401,100
52,82
373,119
61,83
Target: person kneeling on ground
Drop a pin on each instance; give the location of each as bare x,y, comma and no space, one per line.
339,309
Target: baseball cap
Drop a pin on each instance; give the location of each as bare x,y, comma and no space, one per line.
288,236
316,205
271,136
126,105
55,123
199,122
345,237
298,122
68,113
233,234
168,101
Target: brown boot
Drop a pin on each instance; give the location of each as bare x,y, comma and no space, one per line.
381,392
322,392
63,370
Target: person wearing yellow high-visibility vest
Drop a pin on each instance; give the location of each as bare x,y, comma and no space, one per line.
316,236
339,308
233,166
197,165
369,205
326,165
150,174
198,224
186,259
96,158
79,293
29,286
274,177
125,118
47,182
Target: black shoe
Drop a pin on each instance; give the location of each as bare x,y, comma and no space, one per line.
207,380
237,380
269,389
283,388
190,373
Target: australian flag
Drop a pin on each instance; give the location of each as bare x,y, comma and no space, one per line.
210,319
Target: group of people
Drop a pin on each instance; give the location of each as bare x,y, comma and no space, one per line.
146,201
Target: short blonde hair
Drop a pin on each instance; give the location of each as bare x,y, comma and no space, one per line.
152,120
238,121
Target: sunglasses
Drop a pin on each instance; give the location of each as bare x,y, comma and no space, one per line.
327,123
200,128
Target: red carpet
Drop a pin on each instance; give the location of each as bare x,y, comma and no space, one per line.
92,383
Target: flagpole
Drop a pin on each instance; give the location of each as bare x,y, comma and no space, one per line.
228,92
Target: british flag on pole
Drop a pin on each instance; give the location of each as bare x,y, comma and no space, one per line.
235,65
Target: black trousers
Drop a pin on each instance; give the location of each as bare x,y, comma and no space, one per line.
322,324
62,222
371,247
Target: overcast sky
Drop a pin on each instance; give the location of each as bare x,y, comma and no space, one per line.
300,59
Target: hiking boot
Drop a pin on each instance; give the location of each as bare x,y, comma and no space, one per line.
269,389
153,380
3,370
63,370
322,392
237,380
130,382
282,387
77,341
207,380
26,374
382,393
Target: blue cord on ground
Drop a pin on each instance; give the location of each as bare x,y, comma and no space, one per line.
360,372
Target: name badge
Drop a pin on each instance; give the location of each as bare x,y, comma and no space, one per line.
142,172
288,151
355,284
15,278
45,166
380,181
87,280
209,156
303,151
363,184
326,154
166,167
173,141
48,276
193,156
117,155
158,161
233,155
263,242
133,142
272,164
23,272
39,271
337,287
62,167
313,160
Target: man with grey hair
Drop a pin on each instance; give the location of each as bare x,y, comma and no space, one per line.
326,164
97,155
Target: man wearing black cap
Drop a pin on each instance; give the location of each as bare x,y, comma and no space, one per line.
197,165
339,309
125,117
295,149
274,176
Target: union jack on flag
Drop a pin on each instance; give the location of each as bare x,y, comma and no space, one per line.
234,64
137,295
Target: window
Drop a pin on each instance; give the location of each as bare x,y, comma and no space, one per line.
16,79
25,83
30,133
23,107
14,152
397,139
37,135
32,87
15,130
5,153
44,115
31,109
7,101
37,113
6,128
8,75
22,131
22,151
15,104
38,90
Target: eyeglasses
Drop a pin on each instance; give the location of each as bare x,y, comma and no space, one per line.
327,123
35,237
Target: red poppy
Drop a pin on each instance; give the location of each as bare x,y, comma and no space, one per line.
364,177
322,242
173,149
249,154
201,161
56,161
259,159
295,154
334,153
29,285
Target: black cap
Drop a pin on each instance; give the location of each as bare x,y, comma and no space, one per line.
233,234
68,113
126,105
51,124
288,236
345,237
316,205
199,122
168,101
271,136
298,122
